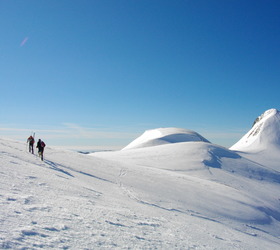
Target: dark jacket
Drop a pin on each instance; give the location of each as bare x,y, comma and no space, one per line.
31,140
40,145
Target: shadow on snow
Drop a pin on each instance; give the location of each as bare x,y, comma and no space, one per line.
58,167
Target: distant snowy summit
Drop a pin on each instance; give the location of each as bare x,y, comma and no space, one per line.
160,136
264,135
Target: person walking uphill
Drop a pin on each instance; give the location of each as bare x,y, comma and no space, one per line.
31,142
41,145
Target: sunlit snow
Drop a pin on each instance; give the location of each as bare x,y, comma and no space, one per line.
169,189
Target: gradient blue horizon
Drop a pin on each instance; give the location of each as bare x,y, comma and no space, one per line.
128,66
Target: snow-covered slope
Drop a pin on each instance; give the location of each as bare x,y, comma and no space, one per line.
202,178
160,136
188,195
265,133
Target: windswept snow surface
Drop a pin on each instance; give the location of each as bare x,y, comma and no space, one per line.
187,195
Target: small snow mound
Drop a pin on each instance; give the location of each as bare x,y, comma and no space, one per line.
265,133
160,136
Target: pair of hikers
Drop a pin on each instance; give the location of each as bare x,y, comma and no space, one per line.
40,145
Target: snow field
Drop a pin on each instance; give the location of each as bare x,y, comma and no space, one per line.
173,195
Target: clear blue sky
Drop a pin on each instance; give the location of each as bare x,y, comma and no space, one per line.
101,72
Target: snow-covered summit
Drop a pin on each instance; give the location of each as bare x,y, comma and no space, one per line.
160,136
265,133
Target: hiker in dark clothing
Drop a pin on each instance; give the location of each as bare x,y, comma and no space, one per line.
31,142
40,145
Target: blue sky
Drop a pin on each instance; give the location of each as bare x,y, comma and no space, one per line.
98,73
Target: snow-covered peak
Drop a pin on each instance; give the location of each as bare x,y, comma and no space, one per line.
160,136
265,133
265,115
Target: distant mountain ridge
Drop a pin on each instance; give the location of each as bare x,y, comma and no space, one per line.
264,134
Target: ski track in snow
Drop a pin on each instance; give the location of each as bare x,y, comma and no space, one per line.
74,201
